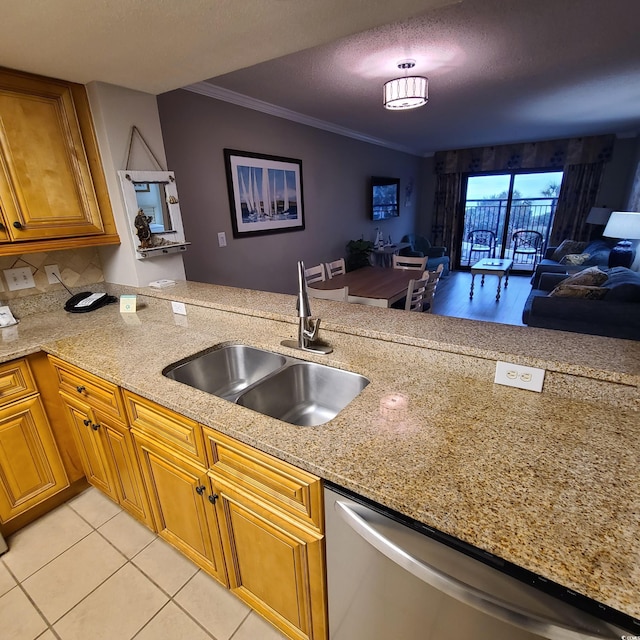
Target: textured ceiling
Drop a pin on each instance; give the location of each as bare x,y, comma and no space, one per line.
159,45
499,71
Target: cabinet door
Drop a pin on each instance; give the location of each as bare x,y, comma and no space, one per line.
274,565
178,491
126,471
45,183
91,446
31,469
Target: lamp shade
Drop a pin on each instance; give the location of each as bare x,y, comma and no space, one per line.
623,224
599,215
408,92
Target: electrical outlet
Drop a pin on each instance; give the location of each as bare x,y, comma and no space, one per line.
516,375
20,278
222,239
53,274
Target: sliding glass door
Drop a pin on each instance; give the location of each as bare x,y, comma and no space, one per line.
499,205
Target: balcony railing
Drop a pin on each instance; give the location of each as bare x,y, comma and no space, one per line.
534,214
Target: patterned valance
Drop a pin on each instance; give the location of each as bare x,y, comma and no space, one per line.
550,154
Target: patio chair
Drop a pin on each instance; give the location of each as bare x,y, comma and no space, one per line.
527,243
482,241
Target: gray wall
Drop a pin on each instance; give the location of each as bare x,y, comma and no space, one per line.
335,172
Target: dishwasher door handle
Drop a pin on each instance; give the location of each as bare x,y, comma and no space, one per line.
460,591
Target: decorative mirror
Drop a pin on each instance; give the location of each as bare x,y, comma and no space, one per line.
153,208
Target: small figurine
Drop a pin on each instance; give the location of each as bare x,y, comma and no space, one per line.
143,232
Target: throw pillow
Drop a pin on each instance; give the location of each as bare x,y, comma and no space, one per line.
579,291
591,277
575,258
623,285
568,246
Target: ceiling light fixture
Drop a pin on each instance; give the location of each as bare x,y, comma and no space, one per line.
407,92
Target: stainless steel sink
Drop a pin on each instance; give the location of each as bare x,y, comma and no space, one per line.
293,390
305,394
227,371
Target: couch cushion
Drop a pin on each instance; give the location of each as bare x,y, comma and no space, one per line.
598,251
591,277
568,246
623,285
579,291
575,258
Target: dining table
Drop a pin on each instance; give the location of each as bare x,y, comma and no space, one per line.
375,286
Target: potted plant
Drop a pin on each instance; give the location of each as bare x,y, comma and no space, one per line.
358,254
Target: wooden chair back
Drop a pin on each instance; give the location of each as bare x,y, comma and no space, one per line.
314,274
432,277
409,262
415,295
335,268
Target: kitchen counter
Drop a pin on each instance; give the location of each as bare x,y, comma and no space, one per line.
550,481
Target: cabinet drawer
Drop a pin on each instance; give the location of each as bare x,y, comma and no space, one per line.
16,381
289,489
164,425
96,392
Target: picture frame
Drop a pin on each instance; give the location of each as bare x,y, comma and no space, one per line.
265,193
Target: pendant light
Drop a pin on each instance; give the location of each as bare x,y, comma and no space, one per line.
407,92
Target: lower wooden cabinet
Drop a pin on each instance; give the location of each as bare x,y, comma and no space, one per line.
274,564
95,412
181,495
31,468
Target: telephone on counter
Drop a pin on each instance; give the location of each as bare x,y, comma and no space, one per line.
87,301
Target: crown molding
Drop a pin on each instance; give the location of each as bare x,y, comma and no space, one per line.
219,93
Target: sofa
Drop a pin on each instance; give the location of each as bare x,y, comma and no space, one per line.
571,256
609,308
421,247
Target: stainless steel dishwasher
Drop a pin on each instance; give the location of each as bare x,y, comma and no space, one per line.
387,580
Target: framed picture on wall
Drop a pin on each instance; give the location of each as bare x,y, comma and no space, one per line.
265,193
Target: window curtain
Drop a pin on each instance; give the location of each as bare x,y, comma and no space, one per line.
581,159
578,193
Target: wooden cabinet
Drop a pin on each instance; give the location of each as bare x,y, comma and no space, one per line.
31,468
53,193
95,411
271,524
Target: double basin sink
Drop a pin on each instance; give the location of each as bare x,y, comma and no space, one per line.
293,390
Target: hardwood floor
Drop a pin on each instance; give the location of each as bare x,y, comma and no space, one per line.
452,298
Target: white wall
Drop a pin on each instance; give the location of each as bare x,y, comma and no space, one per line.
115,110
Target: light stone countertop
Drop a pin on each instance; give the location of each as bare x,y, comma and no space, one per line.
550,482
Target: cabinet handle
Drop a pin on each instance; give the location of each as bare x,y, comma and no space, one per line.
200,490
213,498
80,389
95,427
86,422
17,225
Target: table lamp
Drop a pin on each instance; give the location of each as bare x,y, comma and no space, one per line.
625,225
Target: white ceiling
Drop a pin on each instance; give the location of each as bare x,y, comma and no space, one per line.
499,70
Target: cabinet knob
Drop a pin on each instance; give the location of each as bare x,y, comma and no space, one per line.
200,489
95,427
80,389
86,422
213,498
17,225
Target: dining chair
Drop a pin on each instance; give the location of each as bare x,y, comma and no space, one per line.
433,278
341,295
415,294
527,243
314,274
409,262
481,241
335,268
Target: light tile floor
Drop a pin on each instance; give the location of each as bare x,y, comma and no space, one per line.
88,570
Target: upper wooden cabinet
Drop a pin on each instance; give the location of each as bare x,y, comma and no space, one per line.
53,193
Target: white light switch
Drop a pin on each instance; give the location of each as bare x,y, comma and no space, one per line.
222,239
